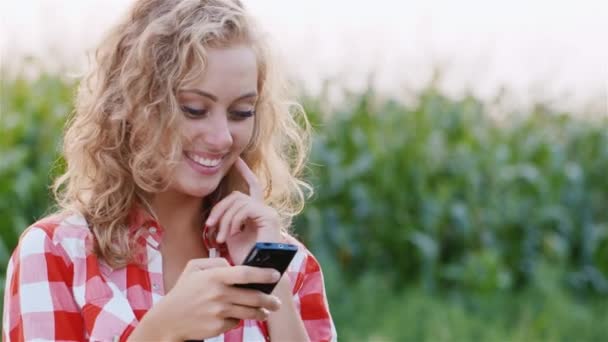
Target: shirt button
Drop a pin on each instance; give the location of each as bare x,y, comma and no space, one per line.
152,230
155,286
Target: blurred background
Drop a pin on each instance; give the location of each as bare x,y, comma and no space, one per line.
459,159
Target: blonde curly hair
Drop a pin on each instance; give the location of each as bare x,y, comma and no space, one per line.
122,142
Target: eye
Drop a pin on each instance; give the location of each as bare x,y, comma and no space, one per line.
242,115
194,112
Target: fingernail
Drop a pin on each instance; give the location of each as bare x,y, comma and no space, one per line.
276,300
266,314
276,275
208,228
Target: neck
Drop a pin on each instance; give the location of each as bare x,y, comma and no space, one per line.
178,214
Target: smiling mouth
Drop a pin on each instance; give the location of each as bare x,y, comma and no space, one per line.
206,162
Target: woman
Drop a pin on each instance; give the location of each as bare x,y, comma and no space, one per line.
181,129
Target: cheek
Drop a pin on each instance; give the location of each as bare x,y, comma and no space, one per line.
187,134
241,134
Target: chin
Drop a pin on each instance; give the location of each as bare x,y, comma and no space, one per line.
195,185
201,192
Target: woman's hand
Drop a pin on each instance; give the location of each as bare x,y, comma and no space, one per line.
204,303
241,219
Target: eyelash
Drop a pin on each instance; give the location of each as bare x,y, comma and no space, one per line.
193,113
199,113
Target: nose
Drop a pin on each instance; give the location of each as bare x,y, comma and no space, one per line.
217,135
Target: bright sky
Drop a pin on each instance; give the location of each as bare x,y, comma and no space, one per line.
537,48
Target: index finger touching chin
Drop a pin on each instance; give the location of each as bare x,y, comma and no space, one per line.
255,190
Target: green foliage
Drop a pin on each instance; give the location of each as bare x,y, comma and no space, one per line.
436,198
370,311
31,120
443,195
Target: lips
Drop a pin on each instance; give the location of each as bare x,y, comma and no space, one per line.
205,163
208,162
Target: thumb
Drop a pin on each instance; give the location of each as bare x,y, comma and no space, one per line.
201,264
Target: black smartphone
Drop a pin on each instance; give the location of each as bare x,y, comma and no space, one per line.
269,255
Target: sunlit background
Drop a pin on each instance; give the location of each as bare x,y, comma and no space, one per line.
459,161
554,49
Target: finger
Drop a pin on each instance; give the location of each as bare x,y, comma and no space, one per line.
219,209
246,312
226,219
255,190
238,220
253,298
226,324
230,323
247,274
205,264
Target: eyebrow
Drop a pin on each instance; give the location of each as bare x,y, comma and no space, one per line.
214,98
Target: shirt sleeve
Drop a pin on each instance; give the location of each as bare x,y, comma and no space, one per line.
314,307
38,301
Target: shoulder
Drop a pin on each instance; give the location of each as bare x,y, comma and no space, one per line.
304,265
304,258
308,287
62,234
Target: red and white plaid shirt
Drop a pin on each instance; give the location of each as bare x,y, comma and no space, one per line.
57,289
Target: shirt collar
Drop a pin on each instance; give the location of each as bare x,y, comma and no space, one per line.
139,218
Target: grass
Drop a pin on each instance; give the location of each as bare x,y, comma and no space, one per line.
370,310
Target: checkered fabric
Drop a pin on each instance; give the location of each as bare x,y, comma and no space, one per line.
56,289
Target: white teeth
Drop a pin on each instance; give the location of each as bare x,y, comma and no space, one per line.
204,161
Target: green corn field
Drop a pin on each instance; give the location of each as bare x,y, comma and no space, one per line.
433,221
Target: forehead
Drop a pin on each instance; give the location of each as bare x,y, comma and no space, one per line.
230,71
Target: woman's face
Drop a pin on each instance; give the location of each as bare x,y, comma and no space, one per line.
219,122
